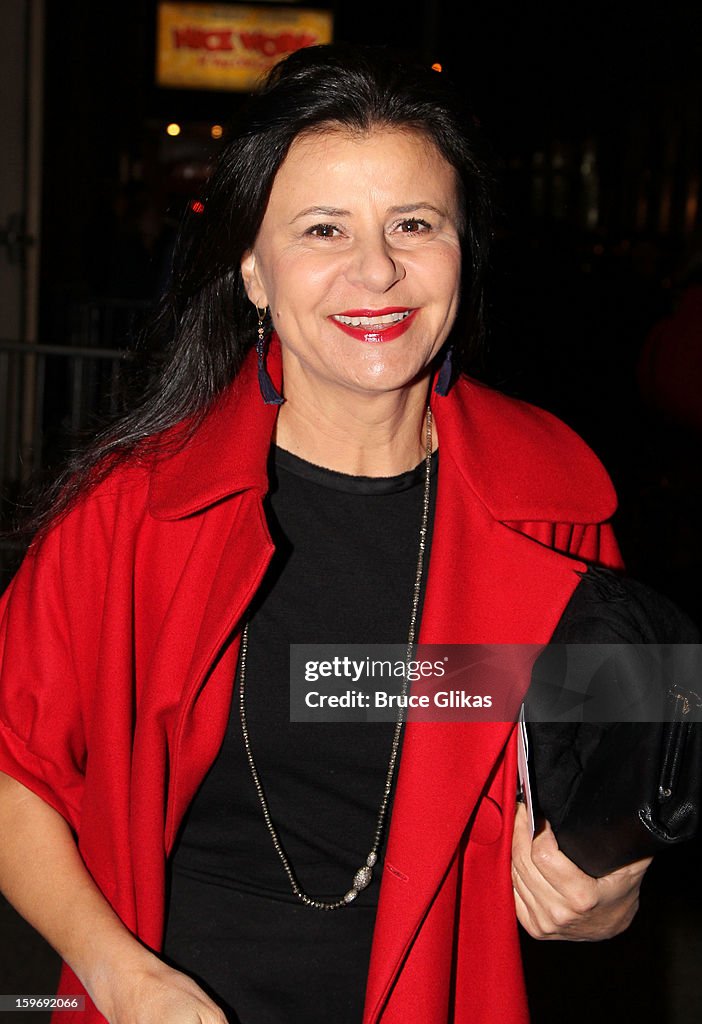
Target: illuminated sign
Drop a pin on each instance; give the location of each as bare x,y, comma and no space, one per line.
230,46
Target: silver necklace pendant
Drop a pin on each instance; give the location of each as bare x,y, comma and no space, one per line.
362,879
364,875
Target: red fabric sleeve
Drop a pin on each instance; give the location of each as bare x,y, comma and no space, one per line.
42,742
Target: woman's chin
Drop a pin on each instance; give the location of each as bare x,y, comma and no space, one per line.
374,374
394,373
384,383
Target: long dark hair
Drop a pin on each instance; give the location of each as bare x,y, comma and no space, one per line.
205,323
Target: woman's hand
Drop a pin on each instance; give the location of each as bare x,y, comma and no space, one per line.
44,877
556,900
156,994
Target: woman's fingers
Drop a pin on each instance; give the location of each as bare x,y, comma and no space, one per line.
554,899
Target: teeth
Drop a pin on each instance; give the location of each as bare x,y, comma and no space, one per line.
373,321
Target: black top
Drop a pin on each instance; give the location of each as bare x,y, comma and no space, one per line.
343,572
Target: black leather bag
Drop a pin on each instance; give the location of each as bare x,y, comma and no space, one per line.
619,790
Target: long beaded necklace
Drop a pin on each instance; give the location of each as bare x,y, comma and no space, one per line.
363,876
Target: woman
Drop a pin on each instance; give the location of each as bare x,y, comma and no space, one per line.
155,809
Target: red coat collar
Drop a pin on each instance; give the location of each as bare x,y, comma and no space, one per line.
227,454
516,458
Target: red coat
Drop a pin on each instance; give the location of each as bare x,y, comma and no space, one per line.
117,675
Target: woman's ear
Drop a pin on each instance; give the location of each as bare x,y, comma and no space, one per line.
252,281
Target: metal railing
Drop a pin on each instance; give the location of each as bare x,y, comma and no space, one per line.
48,395
101,322
46,390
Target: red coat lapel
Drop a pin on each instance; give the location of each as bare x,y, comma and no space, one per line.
487,584
218,600
224,469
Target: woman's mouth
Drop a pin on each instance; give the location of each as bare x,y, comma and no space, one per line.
374,325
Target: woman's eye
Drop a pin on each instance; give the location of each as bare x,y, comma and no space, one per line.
414,226
322,231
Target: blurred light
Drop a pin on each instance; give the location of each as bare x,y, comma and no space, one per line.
216,131
173,129
598,249
666,205
437,67
692,204
197,207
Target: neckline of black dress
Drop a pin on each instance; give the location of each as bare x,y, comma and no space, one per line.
346,482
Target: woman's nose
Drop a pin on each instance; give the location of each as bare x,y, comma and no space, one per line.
375,266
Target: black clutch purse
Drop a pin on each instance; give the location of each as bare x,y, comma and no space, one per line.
628,786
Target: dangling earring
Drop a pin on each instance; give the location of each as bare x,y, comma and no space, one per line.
268,390
445,376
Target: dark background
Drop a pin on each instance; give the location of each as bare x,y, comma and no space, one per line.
599,100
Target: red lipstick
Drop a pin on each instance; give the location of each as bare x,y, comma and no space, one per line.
373,332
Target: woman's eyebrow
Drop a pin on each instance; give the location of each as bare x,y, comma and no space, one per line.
323,211
413,207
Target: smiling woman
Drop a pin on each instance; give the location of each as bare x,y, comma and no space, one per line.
191,853
363,301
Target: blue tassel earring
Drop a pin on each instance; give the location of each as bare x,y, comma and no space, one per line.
268,390
445,377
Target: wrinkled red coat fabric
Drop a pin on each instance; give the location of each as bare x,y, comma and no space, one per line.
119,649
